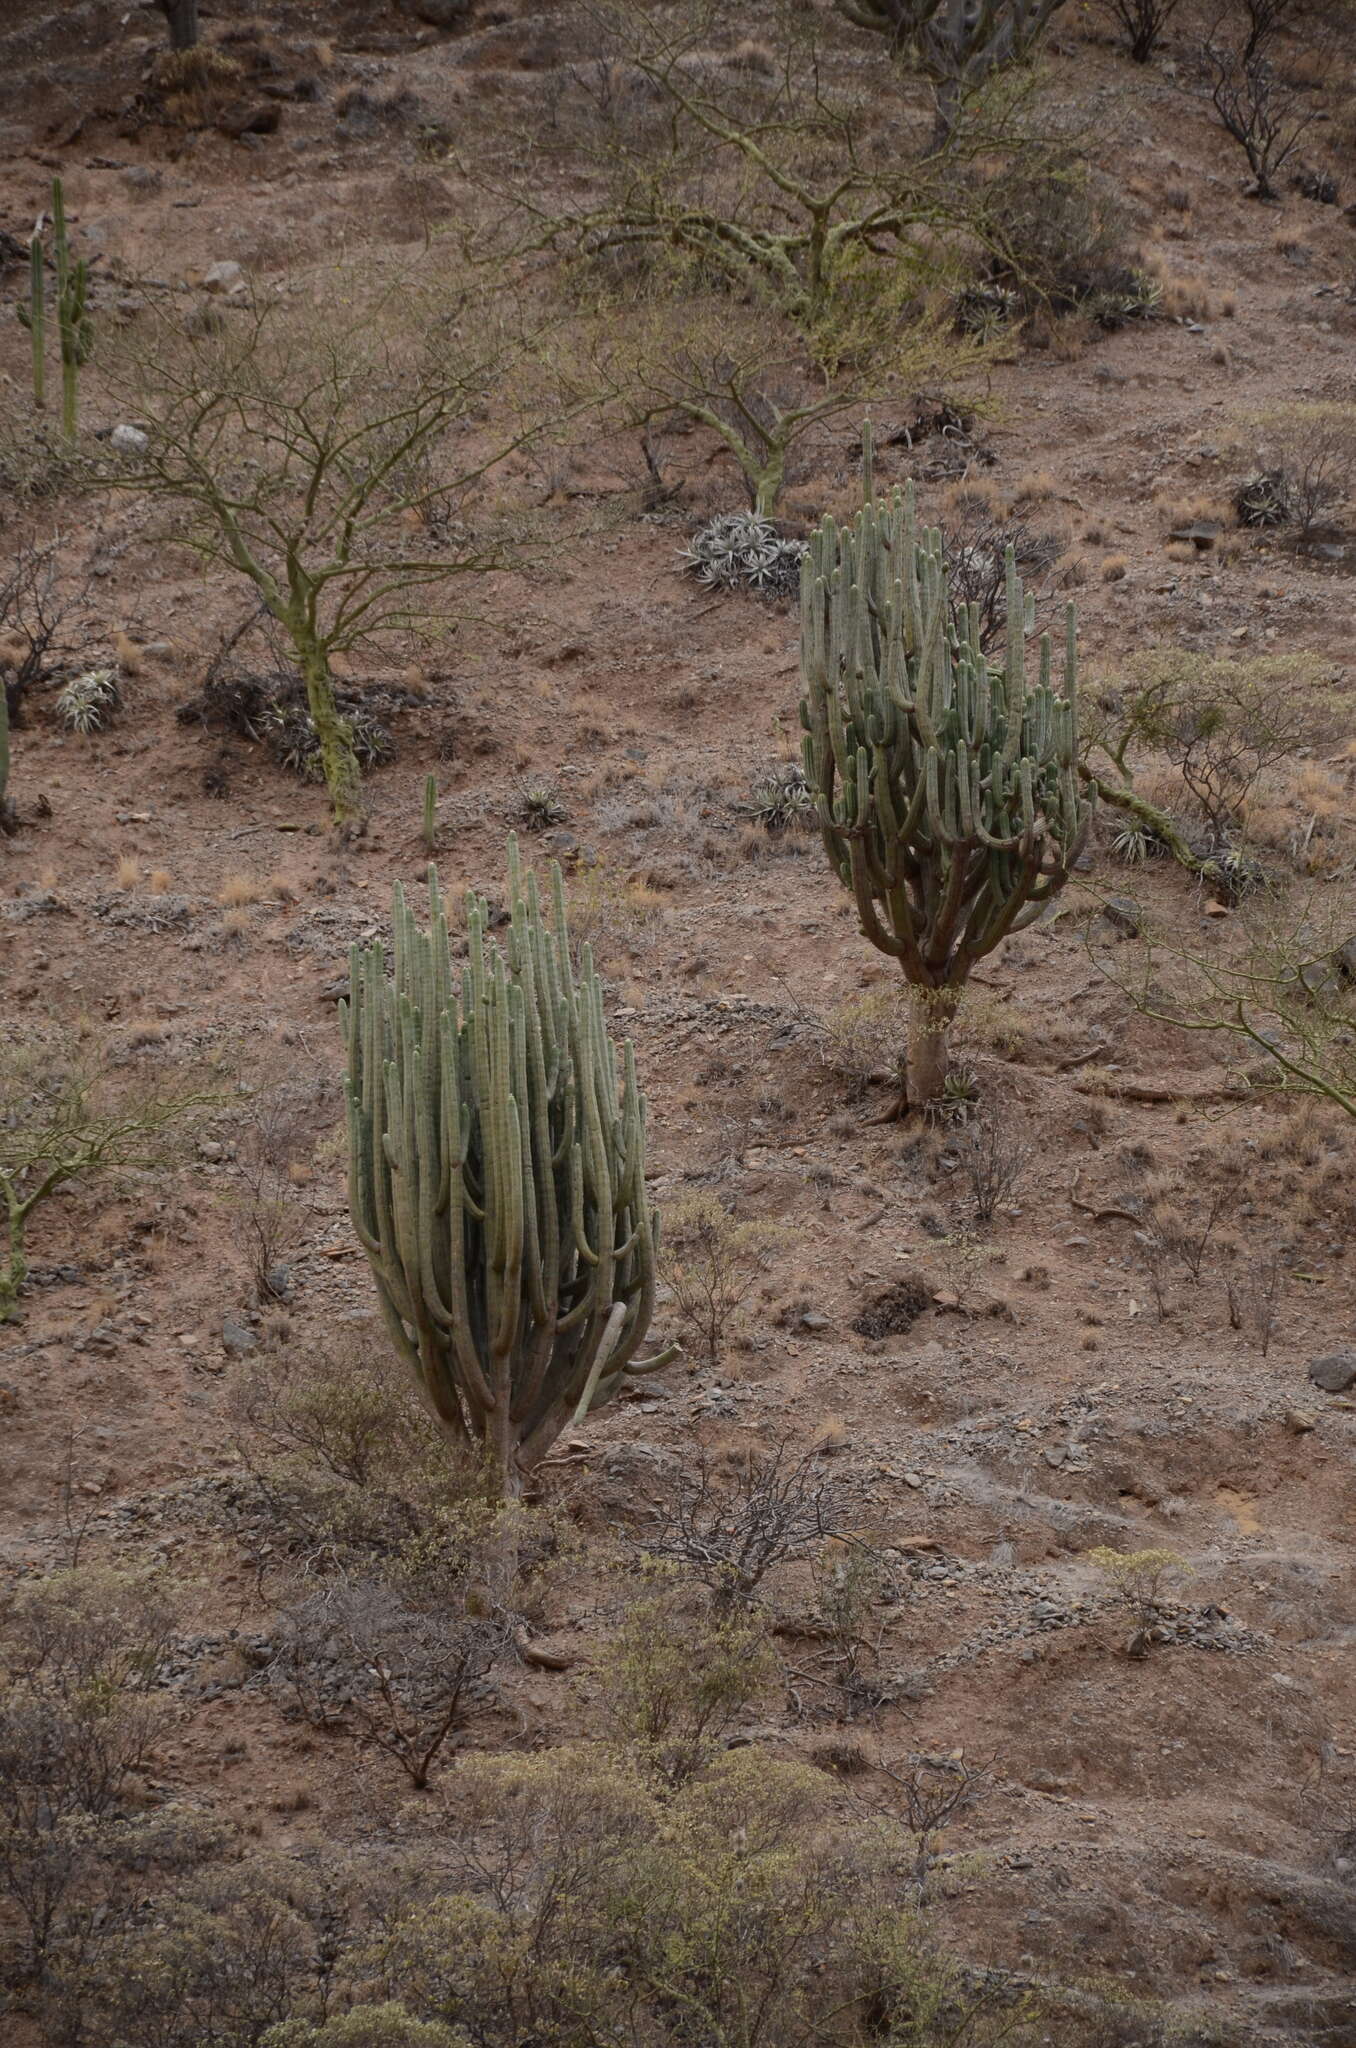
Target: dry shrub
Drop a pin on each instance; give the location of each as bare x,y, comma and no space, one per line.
709,1261
1141,1580
1309,446
675,1679
78,1651
277,1131
730,1527
396,1657
862,1040
993,1158
1058,237
1221,722
349,1464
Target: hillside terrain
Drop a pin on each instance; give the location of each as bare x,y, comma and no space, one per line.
1143,1802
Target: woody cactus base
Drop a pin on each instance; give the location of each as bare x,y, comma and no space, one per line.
497,1175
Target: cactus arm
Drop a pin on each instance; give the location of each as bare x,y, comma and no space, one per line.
33,316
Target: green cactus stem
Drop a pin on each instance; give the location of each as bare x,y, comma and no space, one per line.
430,814
497,1177
75,327
948,792
33,316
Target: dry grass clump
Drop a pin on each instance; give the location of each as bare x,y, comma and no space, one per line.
236,922
1034,487
160,881
128,871
1113,568
1197,508
1186,298
238,890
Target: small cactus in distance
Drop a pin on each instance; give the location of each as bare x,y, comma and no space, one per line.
73,320
33,316
430,815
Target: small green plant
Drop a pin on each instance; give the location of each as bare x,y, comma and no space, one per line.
540,807
675,1681
744,551
61,1120
89,700
430,815
1140,1580
782,800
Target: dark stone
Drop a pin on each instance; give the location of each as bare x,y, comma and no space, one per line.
1122,914
439,13
1335,1372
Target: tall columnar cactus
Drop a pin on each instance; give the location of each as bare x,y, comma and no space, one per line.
33,316
947,790
496,1178
74,324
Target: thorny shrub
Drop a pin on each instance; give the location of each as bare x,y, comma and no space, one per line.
709,1261
730,1527
675,1678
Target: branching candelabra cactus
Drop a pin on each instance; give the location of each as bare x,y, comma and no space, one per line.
948,792
955,44
497,1182
74,325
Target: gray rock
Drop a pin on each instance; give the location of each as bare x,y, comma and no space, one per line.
1335,1372
813,1320
237,1341
129,440
223,277
1122,914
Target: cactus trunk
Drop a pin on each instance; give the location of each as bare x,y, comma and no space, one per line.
37,320
74,325
927,1059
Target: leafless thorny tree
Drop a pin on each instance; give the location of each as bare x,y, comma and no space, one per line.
730,1528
